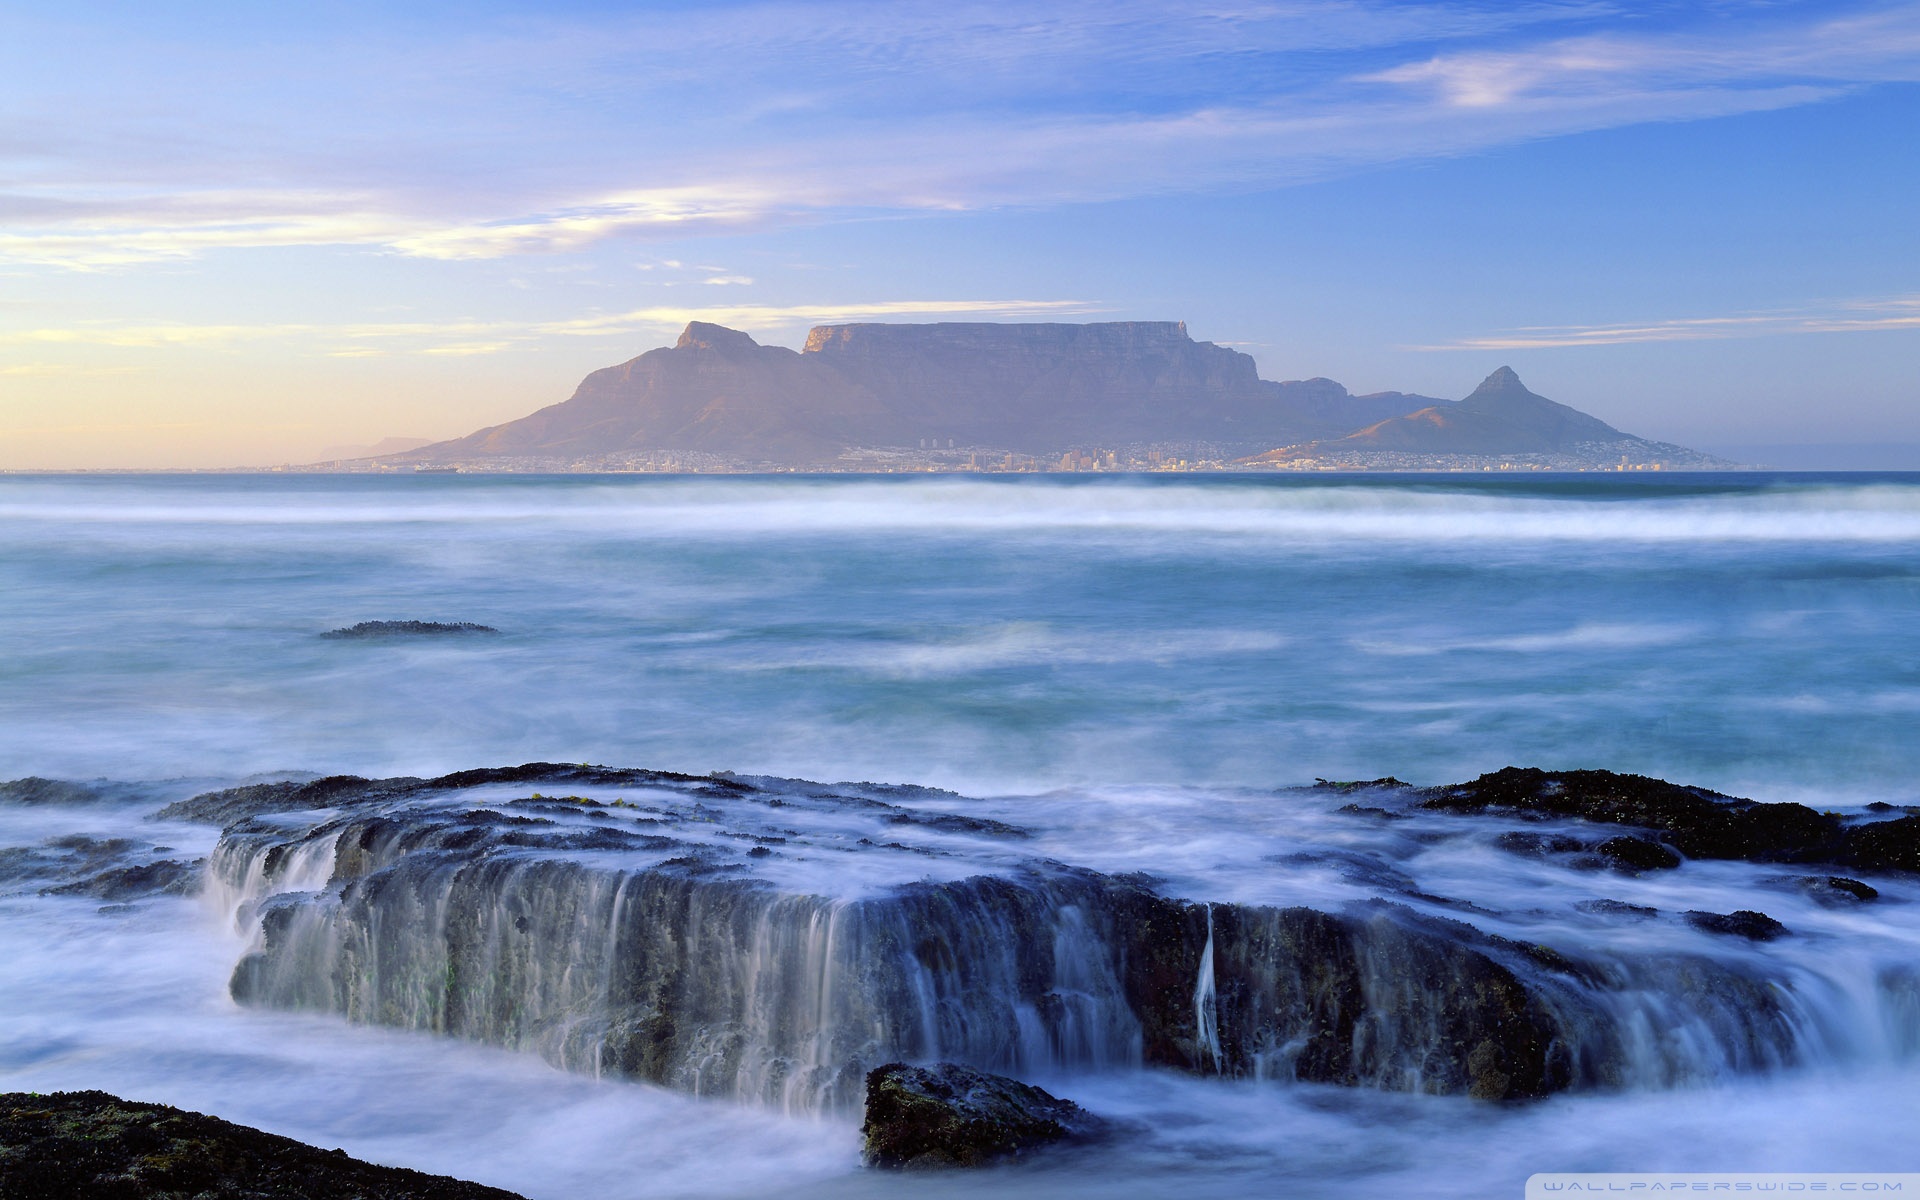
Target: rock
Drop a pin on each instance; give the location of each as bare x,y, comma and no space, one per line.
166,877
115,869
1538,845
94,1146
392,629
1697,822
948,1115
640,932
1638,854
1618,908
1829,891
1754,926
34,790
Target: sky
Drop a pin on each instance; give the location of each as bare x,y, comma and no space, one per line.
241,234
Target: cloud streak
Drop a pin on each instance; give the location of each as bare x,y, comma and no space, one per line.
468,338
1860,316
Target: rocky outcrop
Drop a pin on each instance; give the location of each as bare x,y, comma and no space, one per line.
774,941
114,869
94,1146
948,1115
1696,822
1030,388
371,630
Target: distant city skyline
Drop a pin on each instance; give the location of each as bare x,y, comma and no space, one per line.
237,236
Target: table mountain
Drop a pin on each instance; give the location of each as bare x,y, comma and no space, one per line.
1031,388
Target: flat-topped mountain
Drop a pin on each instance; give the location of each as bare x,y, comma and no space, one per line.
1030,388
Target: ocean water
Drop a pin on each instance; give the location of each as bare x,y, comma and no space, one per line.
1130,665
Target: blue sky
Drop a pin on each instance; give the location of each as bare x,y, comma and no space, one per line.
234,234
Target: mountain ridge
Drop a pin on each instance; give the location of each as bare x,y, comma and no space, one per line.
1033,389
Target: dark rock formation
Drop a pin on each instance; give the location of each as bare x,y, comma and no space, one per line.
1696,822
656,930
34,790
949,1115
116,869
1754,926
93,1146
1828,891
1031,388
1638,854
393,629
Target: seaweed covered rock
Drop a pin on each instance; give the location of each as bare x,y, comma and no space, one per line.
948,1115
94,1146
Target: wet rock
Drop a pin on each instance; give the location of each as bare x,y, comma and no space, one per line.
1879,846
664,948
1382,996
1617,908
1828,891
400,629
955,823
34,790
1696,822
94,1146
117,869
1538,845
1637,854
949,1115
1746,923
1346,786
166,877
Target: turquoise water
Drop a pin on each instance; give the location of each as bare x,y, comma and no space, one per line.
1750,633
1128,665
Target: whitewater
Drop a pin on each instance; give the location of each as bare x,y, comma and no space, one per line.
1138,671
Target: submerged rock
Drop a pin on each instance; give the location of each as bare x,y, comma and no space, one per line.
389,629
949,1115
94,1146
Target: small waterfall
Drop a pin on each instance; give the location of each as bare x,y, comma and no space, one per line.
711,983
699,975
1205,1014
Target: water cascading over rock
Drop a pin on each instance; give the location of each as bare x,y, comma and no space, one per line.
773,941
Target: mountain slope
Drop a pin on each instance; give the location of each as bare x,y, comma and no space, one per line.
1500,417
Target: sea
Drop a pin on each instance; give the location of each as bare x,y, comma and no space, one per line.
1142,667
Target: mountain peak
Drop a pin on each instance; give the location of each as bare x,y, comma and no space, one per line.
705,335
1503,380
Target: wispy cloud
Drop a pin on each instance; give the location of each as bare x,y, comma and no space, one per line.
467,338
523,140
1859,316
